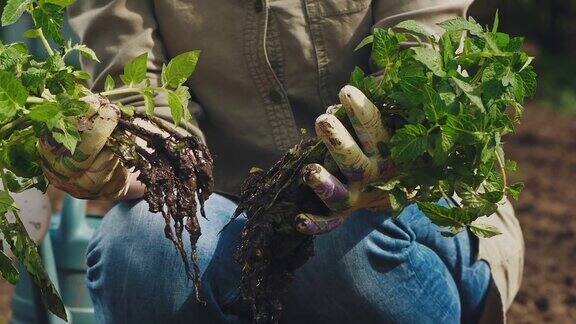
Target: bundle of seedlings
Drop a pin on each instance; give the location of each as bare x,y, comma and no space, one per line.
43,100
446,103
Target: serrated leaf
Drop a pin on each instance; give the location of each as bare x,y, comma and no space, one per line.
433,104
484,230
413,27
431,59
14,10
460,24
442,216
384,48
12,58
408,143
50,18
109,84
135,71
180,68
13,95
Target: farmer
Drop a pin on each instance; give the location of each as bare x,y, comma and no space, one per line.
268,69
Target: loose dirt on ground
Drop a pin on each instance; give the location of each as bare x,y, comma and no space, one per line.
545,148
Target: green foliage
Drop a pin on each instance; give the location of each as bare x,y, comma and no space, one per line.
452,112
135,71
46,96
180,68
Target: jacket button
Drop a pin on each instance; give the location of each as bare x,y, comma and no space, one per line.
258,5
275,96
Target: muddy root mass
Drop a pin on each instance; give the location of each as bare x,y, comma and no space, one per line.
175,169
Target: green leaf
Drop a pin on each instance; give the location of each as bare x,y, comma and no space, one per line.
26,251
384,48
149,101
178,103
50,18
109,84
135,71
13,57
44,112
85,51
32,33
68,136
443,216
496,23
61,82
13,95
515,190
72,107
433,104
431,59
7,269
61,3
180,68
408,143
127,110
484,230
6,202
528,77
367,40
414,28
470,92
21,155
460,24
14,10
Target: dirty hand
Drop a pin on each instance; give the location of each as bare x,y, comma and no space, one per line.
360,164
92,172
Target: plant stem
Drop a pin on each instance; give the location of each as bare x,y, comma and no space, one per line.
18,123
503,171
120,91
33,100
45,42
130,89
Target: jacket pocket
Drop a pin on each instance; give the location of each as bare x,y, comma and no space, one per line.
330,8
337,27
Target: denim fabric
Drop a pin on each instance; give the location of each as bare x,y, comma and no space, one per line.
372,269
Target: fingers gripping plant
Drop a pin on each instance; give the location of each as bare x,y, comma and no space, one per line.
447,102
44,98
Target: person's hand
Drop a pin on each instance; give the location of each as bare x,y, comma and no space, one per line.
92,172
360,164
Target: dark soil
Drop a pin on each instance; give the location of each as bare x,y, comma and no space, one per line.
545,148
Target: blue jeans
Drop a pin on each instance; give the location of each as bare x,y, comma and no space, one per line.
372,269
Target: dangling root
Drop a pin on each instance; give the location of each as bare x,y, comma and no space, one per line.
175,169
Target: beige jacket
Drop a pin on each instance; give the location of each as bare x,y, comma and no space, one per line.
268,68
